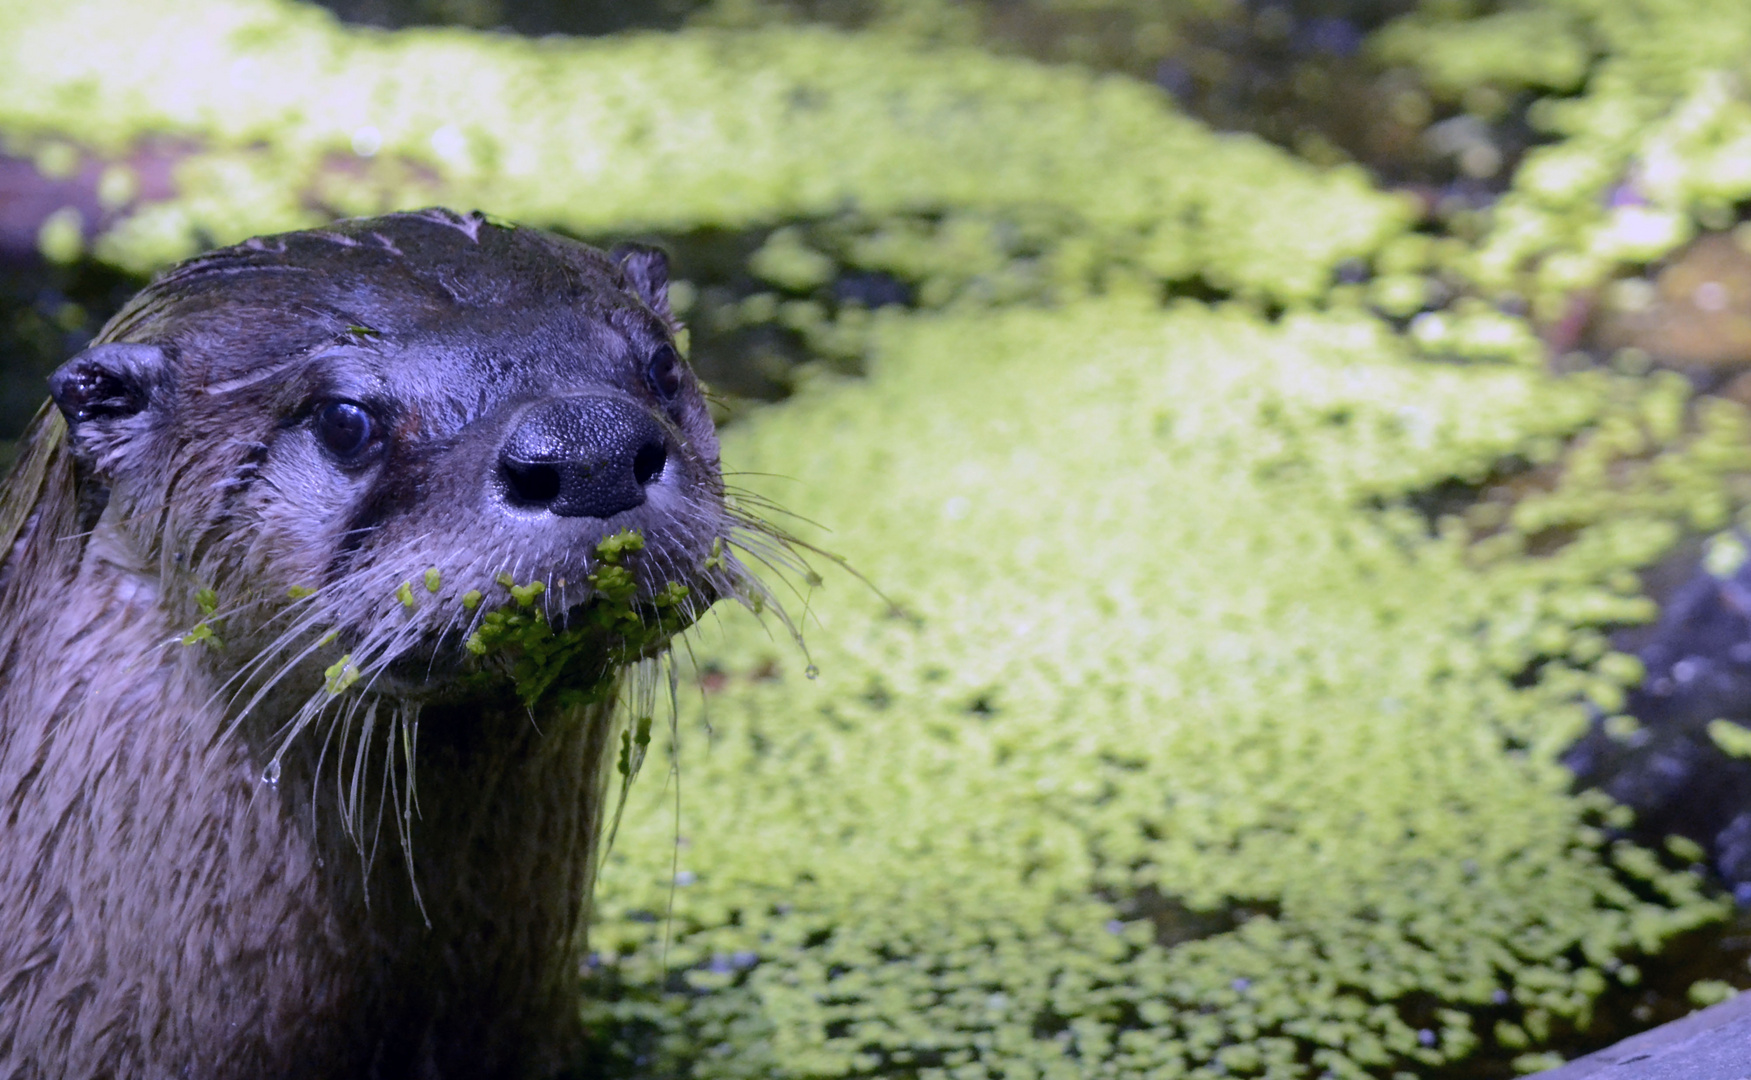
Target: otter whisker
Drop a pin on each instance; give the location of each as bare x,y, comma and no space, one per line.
328,734
736,498
402,795
312,619
383,797
355,789
273,681
345,722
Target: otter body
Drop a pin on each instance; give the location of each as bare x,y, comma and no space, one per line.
318,584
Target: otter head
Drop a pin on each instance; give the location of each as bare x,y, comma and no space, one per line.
421,455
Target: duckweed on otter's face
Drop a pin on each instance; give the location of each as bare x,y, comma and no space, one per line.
1196,769
544,659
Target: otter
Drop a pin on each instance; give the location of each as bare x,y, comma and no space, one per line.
322,574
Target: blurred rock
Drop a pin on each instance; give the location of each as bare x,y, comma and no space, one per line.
1696,312
1668,757
1714,1044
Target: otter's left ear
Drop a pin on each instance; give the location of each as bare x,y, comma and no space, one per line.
647,271
108,382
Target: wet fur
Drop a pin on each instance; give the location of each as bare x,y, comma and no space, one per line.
406,898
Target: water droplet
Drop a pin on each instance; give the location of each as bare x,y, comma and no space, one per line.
367,141
271,774
812,671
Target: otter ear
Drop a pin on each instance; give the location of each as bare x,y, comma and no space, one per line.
108,382
647,271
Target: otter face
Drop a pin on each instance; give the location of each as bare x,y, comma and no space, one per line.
420,454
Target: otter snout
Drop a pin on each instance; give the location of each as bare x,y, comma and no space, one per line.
582,456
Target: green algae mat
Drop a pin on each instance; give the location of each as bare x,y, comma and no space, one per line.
1184,752
1178,741
293,120
1643,107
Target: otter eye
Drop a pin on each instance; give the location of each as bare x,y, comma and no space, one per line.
345,428
664,372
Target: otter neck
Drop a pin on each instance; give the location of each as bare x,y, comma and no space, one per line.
365,927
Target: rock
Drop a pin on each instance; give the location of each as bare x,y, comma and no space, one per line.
1714,1044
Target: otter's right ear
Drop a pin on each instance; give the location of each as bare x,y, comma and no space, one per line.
108,382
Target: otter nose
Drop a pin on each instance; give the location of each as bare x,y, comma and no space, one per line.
582,457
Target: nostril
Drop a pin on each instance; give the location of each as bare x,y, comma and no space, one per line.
532,483
647,465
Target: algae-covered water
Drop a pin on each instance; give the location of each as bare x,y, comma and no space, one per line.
1257,423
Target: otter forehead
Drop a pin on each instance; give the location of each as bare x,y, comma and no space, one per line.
460,296
432,259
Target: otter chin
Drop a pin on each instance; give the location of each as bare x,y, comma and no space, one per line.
323,573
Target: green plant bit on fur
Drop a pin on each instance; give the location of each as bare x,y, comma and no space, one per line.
432,580
203,634
715,560
541,658
299,592
471,599
612,622
633,743
405,595
613,582
613,547
341,674
207,600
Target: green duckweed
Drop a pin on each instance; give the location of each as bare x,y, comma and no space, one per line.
291,111
1201,753
1730,737
340,675
203,634
1646,106
577,664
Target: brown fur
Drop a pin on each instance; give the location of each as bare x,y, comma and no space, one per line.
169,910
